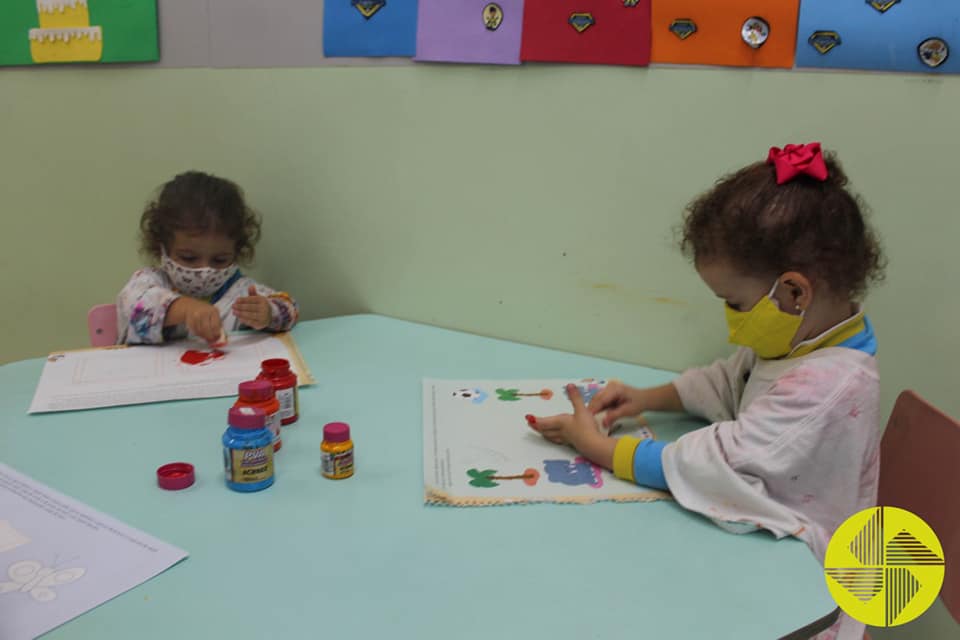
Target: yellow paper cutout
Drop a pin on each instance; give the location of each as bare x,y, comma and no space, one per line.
59,14
65,34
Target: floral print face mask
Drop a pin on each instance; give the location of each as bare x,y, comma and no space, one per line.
200,282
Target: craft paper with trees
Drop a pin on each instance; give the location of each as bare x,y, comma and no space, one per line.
478,449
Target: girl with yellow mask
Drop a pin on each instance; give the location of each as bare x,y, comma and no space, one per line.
793,447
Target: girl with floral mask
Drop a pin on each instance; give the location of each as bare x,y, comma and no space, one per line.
793,447
199,229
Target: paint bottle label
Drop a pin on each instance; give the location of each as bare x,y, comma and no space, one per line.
273,426
288,402
337,465
249,465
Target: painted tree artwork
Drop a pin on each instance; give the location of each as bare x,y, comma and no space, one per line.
478,449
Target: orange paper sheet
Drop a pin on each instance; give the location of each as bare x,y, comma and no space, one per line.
717,40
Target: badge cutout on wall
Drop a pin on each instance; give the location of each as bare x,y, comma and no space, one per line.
755,32
581,21
368,8
882,5
825,41
683,28
492,16
933,52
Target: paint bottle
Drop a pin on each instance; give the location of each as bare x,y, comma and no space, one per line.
260,394
284,381
336,451
247,450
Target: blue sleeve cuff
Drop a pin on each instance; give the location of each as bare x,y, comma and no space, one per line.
647,464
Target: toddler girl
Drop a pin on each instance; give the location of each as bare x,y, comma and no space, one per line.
199,228
793,447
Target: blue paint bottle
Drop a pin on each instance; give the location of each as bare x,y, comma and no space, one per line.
247,450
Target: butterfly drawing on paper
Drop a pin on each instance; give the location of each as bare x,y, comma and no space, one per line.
30,576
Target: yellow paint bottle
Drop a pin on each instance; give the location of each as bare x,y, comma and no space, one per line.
336,451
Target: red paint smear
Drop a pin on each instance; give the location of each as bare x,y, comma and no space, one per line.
194,357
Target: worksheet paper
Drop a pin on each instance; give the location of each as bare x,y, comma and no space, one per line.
478,449
59,558
180,370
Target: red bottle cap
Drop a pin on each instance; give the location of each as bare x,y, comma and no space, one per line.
336,432
275,366
256,390
175,476
247,417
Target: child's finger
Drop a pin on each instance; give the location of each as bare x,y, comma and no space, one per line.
603,399
613,395
615,414
216,327
248,318
252,319
259,304
551,423
553,434
576,399
251,314
252,290
208,332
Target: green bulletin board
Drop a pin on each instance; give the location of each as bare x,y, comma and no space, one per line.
128,29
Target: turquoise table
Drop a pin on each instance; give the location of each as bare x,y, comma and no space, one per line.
364,558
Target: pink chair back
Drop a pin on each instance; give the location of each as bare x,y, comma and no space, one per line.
920,472
102,325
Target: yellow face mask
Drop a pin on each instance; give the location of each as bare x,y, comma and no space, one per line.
765,328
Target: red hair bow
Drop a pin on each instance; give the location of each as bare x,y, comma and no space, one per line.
796,159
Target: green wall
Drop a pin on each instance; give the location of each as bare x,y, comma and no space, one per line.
534,204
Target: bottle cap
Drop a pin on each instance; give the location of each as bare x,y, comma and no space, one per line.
256,390
336,432
246,418
755,32
275,366
175,476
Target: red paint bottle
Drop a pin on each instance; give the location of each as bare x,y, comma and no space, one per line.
278,372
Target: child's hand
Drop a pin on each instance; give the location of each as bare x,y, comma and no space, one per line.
203,320
574,429
619,401
253,310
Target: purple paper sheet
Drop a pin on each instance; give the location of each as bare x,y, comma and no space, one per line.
457,31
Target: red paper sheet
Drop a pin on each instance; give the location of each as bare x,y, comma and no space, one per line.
587,31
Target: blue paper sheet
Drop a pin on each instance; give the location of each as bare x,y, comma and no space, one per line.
370,28
864,38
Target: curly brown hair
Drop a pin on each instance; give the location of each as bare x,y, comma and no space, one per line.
816,228
197,201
